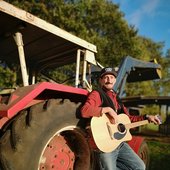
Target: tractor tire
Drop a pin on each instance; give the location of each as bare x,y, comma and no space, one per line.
45,137
144,154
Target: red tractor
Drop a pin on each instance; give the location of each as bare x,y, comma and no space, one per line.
40,123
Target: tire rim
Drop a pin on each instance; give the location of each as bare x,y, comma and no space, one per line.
57,154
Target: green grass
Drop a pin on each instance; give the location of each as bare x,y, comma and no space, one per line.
150,126
159,155
158,146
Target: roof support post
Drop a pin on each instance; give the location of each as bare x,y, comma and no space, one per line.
19,42
77,81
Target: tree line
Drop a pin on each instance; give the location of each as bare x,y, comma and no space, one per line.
102,23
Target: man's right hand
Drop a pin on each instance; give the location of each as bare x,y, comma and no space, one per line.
111,114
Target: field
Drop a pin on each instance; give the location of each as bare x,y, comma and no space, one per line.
159,147
159,155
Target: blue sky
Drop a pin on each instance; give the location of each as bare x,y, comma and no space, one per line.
150,17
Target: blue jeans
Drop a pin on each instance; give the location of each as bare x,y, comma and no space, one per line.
122,158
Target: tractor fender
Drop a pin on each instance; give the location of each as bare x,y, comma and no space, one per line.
135,143
27,96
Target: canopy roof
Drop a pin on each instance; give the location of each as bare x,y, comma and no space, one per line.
45,45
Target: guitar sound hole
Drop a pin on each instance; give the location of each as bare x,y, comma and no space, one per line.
121,128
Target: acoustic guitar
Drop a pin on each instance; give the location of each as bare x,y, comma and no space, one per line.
108,136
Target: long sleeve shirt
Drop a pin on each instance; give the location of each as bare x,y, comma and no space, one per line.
93,106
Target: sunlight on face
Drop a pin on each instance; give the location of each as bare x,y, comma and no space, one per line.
107,81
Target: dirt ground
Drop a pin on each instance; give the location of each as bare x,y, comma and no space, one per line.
155,136
164,139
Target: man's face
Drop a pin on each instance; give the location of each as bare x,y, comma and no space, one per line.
107,81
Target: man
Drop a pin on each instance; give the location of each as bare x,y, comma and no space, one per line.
104,101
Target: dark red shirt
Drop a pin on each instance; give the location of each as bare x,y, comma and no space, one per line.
92,106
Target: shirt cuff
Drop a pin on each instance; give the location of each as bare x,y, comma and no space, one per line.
146,116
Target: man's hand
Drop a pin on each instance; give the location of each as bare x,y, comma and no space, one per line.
112,115
155,119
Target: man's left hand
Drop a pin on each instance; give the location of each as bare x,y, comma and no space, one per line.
155,119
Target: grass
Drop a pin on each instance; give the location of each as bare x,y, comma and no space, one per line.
159,155
159,147
151,127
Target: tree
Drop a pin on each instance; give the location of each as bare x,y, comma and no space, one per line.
7,77
102,23
97,21
165,83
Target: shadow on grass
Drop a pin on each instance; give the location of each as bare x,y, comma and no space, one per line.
159,155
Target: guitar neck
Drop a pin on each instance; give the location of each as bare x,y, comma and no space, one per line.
136,124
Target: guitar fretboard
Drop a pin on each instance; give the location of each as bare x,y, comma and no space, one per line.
136,124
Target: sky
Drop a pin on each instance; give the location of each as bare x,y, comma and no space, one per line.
150,17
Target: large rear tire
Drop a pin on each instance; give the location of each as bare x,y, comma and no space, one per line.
45,137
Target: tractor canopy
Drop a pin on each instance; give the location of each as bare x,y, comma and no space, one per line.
45,45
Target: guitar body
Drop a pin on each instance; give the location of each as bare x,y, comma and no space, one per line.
108,136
